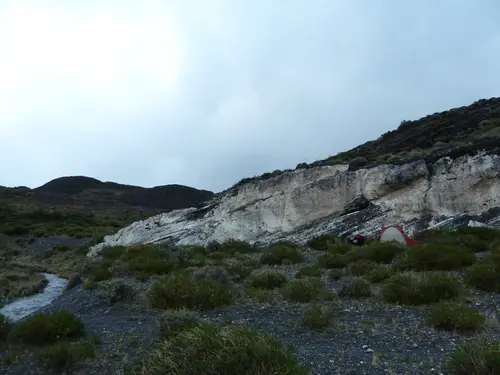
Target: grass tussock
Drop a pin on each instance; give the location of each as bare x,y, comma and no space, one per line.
173,321
180,290
209,349
268,279
485,274
62,355
356,287
453,316
309,271
42,329
418,289
361,267
306,290
317,317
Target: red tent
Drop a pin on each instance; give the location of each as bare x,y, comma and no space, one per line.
396,233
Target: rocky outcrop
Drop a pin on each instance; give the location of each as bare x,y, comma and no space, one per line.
332,199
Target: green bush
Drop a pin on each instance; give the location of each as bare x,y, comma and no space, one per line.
331,260
278,253
361,267
381,273
63,355
356,287
209,349
41,328
418,289
477,358
379,252
305,290
179,290
214,273
439,257
173,321
268,279
316,317
339,248
238,270
322,242
309,271
484,275
453,316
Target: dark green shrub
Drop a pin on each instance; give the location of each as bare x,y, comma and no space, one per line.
339,248
214,273
331,260
361,267
381,273
453,316
41,328
322,242
356,287
74,281
268,279
232,247
418,289
305,290
210,349
278,253
484,275
482,233
309,271
439,257
316,317
179,290
379,252
173,321
477,358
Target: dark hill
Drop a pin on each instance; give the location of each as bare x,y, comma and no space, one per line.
455,132
167,197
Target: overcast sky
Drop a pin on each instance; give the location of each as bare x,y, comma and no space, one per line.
206,92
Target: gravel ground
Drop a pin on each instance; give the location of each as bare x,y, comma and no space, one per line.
366,337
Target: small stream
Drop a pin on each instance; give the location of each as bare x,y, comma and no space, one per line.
25,306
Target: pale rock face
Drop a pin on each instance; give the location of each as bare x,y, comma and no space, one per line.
303,203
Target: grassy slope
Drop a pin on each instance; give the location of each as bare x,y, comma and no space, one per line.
455,132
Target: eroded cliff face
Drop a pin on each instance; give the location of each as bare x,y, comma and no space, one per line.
307,202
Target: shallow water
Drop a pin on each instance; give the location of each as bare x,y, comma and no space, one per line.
25,306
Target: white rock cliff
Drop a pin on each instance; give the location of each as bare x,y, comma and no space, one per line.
306,202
